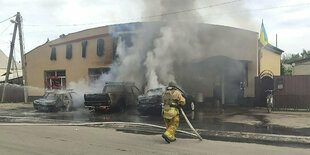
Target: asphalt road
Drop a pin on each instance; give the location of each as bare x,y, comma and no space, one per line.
229,119
87,140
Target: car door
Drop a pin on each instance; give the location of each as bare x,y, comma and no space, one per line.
129,96
59,101
67,101
136,92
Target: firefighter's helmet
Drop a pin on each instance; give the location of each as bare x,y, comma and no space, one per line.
172,84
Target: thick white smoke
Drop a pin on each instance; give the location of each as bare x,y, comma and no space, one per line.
161,50
176,44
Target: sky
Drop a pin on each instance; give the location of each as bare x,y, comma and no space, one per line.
42,19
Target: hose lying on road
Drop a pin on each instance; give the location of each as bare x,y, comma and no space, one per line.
190,125
93,124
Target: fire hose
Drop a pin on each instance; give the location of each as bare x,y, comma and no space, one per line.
190,125
187,121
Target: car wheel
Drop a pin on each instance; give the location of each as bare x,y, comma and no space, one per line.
192,106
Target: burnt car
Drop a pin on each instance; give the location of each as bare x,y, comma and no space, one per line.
114,96
54,100
151,102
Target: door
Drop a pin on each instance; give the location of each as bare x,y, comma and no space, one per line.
266,84
136,93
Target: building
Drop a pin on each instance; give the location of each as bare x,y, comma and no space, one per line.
16,73
270,59
81,55
301,67
269,68
230,63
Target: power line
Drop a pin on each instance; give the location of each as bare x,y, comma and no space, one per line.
187,10
263,9
194,9
153,16
6,29
190,10
7,19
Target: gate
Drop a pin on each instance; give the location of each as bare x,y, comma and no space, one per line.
13,93
265,81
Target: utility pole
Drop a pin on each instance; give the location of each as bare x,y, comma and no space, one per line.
277,40
18,23
9,62
22,55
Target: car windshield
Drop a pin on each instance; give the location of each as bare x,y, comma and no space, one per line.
113,89
49,96
152,92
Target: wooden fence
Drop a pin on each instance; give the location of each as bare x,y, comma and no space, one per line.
293,92
14,93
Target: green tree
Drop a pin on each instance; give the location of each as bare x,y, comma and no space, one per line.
305,54
286,70
289,58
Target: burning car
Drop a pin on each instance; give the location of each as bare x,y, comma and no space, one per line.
54,100
151,102
115,95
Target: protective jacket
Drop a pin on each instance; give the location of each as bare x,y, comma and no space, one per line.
172,98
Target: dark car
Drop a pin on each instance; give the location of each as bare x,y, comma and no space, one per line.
151,102
115,96
54,100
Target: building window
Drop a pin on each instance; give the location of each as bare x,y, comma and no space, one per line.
95,73
53,54
84,45
55,79
100,47
126,38
115,42
69,51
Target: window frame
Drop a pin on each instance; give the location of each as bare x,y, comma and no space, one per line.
69,51
100,47
53,54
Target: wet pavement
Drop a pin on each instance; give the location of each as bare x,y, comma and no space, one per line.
253,120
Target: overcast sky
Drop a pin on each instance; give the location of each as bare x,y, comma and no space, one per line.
43,19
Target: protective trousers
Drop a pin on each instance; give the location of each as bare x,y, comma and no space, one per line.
171,127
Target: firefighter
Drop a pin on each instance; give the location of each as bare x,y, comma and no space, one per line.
172,99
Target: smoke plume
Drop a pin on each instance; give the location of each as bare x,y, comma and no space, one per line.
172,49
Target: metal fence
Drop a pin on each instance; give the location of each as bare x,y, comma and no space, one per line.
295,92
14,93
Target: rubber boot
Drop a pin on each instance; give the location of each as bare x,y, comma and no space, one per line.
166,138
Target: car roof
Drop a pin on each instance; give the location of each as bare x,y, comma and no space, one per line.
121,83
155,89
59,91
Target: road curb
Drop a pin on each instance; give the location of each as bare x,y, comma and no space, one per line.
254,137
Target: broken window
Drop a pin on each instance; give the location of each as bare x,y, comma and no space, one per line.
84,44
69,51
53,54
55,79
126,38
95,73
100,47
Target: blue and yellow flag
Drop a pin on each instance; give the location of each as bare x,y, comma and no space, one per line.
263,35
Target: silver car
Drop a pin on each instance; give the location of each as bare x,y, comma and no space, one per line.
54,100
